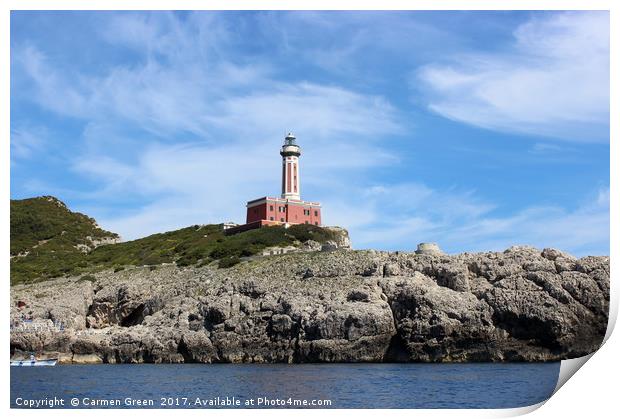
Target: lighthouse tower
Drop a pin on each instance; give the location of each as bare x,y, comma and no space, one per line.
290,153
288,208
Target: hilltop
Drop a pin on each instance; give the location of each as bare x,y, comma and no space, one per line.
50,241
46,223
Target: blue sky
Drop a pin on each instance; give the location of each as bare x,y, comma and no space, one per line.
477,130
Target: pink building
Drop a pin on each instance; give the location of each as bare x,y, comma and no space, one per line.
288,208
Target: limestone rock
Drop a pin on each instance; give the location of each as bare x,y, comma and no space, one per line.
428,249
311,246
337,306
342,237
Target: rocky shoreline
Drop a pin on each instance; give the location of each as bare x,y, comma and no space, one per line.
325,306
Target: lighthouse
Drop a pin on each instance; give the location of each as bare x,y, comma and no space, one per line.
290,153
289,208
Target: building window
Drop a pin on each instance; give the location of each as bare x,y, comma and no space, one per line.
316,223
282,219
270,207
255,210
271,218
316,213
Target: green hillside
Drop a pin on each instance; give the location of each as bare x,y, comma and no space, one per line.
49,233
46,222
49,240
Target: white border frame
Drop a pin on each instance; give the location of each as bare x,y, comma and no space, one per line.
580,397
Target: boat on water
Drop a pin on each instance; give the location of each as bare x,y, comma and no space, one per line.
33,362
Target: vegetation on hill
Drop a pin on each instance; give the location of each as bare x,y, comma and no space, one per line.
46,222
49,240
191,245
202,244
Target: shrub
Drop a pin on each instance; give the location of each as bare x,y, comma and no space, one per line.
186,260
221,252
304,232
229,261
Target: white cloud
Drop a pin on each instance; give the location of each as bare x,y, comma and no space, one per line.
582,231
138,31
26,140
554,82
545,148
186,82
166,214
398,217
322,111
345,42
182,185
51,89
164,100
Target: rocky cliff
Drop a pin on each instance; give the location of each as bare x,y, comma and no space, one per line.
324,306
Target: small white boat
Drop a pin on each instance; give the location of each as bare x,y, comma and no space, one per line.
33,362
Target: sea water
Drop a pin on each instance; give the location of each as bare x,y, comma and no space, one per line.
281,386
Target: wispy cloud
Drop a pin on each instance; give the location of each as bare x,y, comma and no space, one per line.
183,84
47,86
543,148
323,111
398,217
553,82
583,230
27,140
